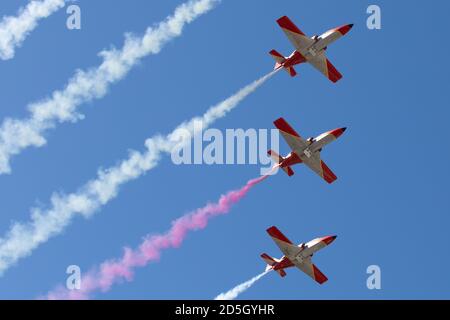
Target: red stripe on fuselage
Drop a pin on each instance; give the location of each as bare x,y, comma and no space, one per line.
283,264
294,59
290,160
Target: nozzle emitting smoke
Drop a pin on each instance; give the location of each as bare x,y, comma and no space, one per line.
112,271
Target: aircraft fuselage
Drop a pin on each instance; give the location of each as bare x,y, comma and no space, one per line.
320,44
314,145
307,250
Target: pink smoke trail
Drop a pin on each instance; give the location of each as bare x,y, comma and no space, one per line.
113,271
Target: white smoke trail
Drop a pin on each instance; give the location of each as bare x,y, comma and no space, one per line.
85,86
241,288
14,29
23,238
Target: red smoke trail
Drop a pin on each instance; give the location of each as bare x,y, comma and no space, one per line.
112,271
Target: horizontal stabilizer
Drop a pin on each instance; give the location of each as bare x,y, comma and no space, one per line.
268,259
279,159
279,59
271,263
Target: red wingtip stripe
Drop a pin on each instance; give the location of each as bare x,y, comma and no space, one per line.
328,175
333,74
286,23
318,275
282,125
275,233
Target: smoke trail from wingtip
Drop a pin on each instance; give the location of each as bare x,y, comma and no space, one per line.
241,288
85,86
22,238
15,29
113,271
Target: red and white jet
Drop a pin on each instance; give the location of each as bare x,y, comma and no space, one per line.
307,49
305,151
298,256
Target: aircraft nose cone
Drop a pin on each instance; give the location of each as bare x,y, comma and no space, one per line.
338,132
344,29
329,239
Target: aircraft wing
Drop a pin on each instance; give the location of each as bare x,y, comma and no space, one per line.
321,63
298,39
318,166
311,270
282,242
293,139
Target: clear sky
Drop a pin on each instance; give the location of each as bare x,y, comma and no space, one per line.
389,207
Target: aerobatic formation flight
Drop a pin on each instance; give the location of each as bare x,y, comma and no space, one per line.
86,217
311,50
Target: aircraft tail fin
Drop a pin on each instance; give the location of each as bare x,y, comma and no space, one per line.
279,60
279,159
271,263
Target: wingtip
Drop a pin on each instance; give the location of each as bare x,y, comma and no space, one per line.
286,23
280,119
282,18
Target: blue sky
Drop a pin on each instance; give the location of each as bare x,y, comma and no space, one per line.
389,206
